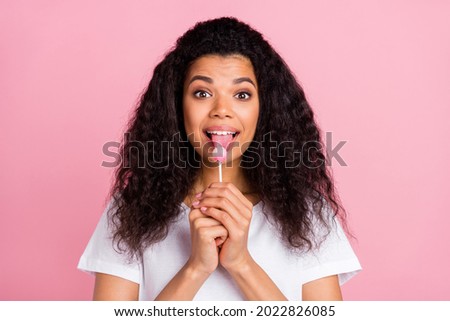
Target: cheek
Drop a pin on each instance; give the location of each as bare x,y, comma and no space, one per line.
256,115
252,118
189,117
192,121
188,123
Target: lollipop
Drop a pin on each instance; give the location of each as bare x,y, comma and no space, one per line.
221,143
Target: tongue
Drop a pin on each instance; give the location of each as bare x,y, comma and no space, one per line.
221,143
223,140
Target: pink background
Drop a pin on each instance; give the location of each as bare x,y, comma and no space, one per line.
376,72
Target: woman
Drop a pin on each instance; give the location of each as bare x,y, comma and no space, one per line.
172,231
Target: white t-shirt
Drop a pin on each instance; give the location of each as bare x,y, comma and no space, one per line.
164,259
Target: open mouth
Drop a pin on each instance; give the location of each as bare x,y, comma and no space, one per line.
209,133
224,138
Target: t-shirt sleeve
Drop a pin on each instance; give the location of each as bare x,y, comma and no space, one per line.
334,256
101,254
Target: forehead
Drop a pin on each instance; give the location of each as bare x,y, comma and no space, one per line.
221,66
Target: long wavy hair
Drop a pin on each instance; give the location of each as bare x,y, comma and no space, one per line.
152,180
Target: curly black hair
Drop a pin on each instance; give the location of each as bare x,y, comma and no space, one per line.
152,182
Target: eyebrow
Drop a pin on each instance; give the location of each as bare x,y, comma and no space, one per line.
210,81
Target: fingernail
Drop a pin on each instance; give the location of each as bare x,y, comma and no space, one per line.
196,203
198,195
202,208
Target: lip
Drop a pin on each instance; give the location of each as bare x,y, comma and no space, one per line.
221,128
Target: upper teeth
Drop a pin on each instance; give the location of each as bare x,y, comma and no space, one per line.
216,132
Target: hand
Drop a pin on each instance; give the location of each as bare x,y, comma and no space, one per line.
224,203
207,234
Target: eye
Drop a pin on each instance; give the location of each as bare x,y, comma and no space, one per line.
202,94
243,95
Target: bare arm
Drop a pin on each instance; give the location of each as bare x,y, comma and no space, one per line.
206,235
226,204
184,285
112,288
255,284
324,289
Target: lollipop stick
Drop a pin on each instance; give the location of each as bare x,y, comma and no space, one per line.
220,172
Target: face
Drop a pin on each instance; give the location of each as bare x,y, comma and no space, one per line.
220,96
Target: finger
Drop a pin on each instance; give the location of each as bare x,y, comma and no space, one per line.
239,215
206,221
219,241
235,191
234,229
212,233
230,191
195,214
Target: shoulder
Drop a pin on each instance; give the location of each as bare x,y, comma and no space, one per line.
102,254
333,253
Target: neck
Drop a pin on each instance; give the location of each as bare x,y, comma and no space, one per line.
231,172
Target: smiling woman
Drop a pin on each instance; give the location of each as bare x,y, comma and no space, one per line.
264,233
220,103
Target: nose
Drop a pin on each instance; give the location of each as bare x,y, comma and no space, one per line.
222,108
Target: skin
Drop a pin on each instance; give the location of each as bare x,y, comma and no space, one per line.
220,212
